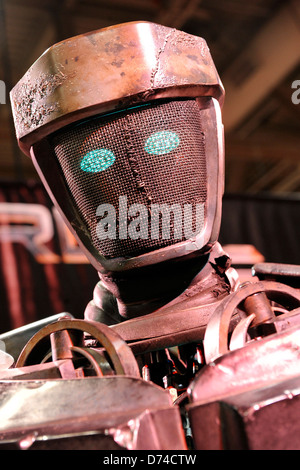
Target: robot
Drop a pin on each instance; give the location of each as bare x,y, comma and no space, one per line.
124,128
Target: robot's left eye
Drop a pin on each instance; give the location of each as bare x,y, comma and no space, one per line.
162,142
97,160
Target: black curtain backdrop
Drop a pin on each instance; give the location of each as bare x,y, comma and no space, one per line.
271,224
31,289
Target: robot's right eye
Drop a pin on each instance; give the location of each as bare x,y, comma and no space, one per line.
97,160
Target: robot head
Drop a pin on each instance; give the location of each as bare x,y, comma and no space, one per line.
124,128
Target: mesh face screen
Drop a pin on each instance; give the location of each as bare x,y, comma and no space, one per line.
137,178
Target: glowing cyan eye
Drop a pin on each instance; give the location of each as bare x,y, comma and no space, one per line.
162,142
97,160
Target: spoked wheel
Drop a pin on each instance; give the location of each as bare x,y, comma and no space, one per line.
67,343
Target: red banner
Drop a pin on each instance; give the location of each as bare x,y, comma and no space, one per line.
42,270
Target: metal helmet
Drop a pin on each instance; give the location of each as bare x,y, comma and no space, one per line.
124,128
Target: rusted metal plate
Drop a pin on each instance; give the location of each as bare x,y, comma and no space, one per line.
268,360
124,408
249,398
266,418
